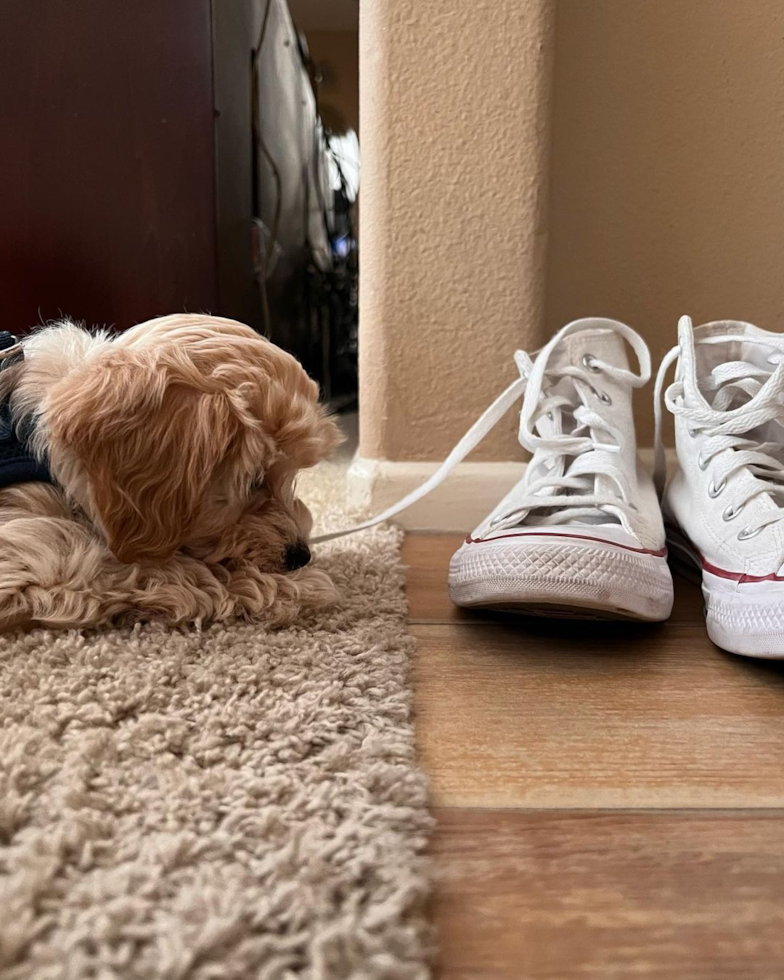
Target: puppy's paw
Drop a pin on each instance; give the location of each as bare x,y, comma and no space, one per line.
317,590
279,600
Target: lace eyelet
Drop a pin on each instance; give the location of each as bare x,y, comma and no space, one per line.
702,462
730,513
589,361
603,397
715,488
550,416
746,533
692,433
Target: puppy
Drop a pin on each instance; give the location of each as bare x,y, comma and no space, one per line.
173,450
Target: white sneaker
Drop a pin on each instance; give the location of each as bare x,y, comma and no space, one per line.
581,534
724,506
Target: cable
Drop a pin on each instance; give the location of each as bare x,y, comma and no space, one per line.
263,148
320,148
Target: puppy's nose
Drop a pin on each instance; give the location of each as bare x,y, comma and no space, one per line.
296,556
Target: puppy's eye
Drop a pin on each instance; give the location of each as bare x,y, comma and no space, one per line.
257,483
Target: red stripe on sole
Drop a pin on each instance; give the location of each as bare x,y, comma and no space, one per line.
742,577
661,553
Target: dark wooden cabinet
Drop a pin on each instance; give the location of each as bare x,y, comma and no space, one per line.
125,160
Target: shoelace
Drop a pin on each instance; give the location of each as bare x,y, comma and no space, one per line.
728,428
566,489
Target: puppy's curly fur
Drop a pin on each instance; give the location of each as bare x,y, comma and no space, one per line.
174,448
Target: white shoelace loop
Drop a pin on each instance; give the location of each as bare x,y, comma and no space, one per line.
727,446
574,460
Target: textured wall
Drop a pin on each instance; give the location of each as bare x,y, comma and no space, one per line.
667,176
455,114
666,184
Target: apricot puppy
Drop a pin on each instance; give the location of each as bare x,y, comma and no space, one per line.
173,451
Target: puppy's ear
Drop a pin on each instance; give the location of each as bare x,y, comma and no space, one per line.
303,431
149,447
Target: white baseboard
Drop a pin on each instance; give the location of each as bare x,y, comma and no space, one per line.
468,495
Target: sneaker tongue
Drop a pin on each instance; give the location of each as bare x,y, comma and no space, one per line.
579,349
762,349
734,393
594,341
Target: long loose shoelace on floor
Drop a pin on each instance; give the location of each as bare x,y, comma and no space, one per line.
567,490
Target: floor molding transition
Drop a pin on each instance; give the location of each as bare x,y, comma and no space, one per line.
468,495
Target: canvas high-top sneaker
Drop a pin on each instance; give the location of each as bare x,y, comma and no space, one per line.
581,534
724,506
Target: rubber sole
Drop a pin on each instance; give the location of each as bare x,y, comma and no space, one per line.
744,618
561,579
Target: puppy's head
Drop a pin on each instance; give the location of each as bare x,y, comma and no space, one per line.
185,432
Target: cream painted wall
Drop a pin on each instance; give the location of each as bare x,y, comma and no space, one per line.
666,191
667,180
454,103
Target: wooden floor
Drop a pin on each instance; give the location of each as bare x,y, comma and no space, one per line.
609,798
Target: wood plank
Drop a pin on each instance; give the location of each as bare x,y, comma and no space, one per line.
427,557
565,715
565,896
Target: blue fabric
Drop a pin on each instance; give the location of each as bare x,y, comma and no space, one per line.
17,463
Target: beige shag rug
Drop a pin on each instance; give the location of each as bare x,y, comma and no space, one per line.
218,805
